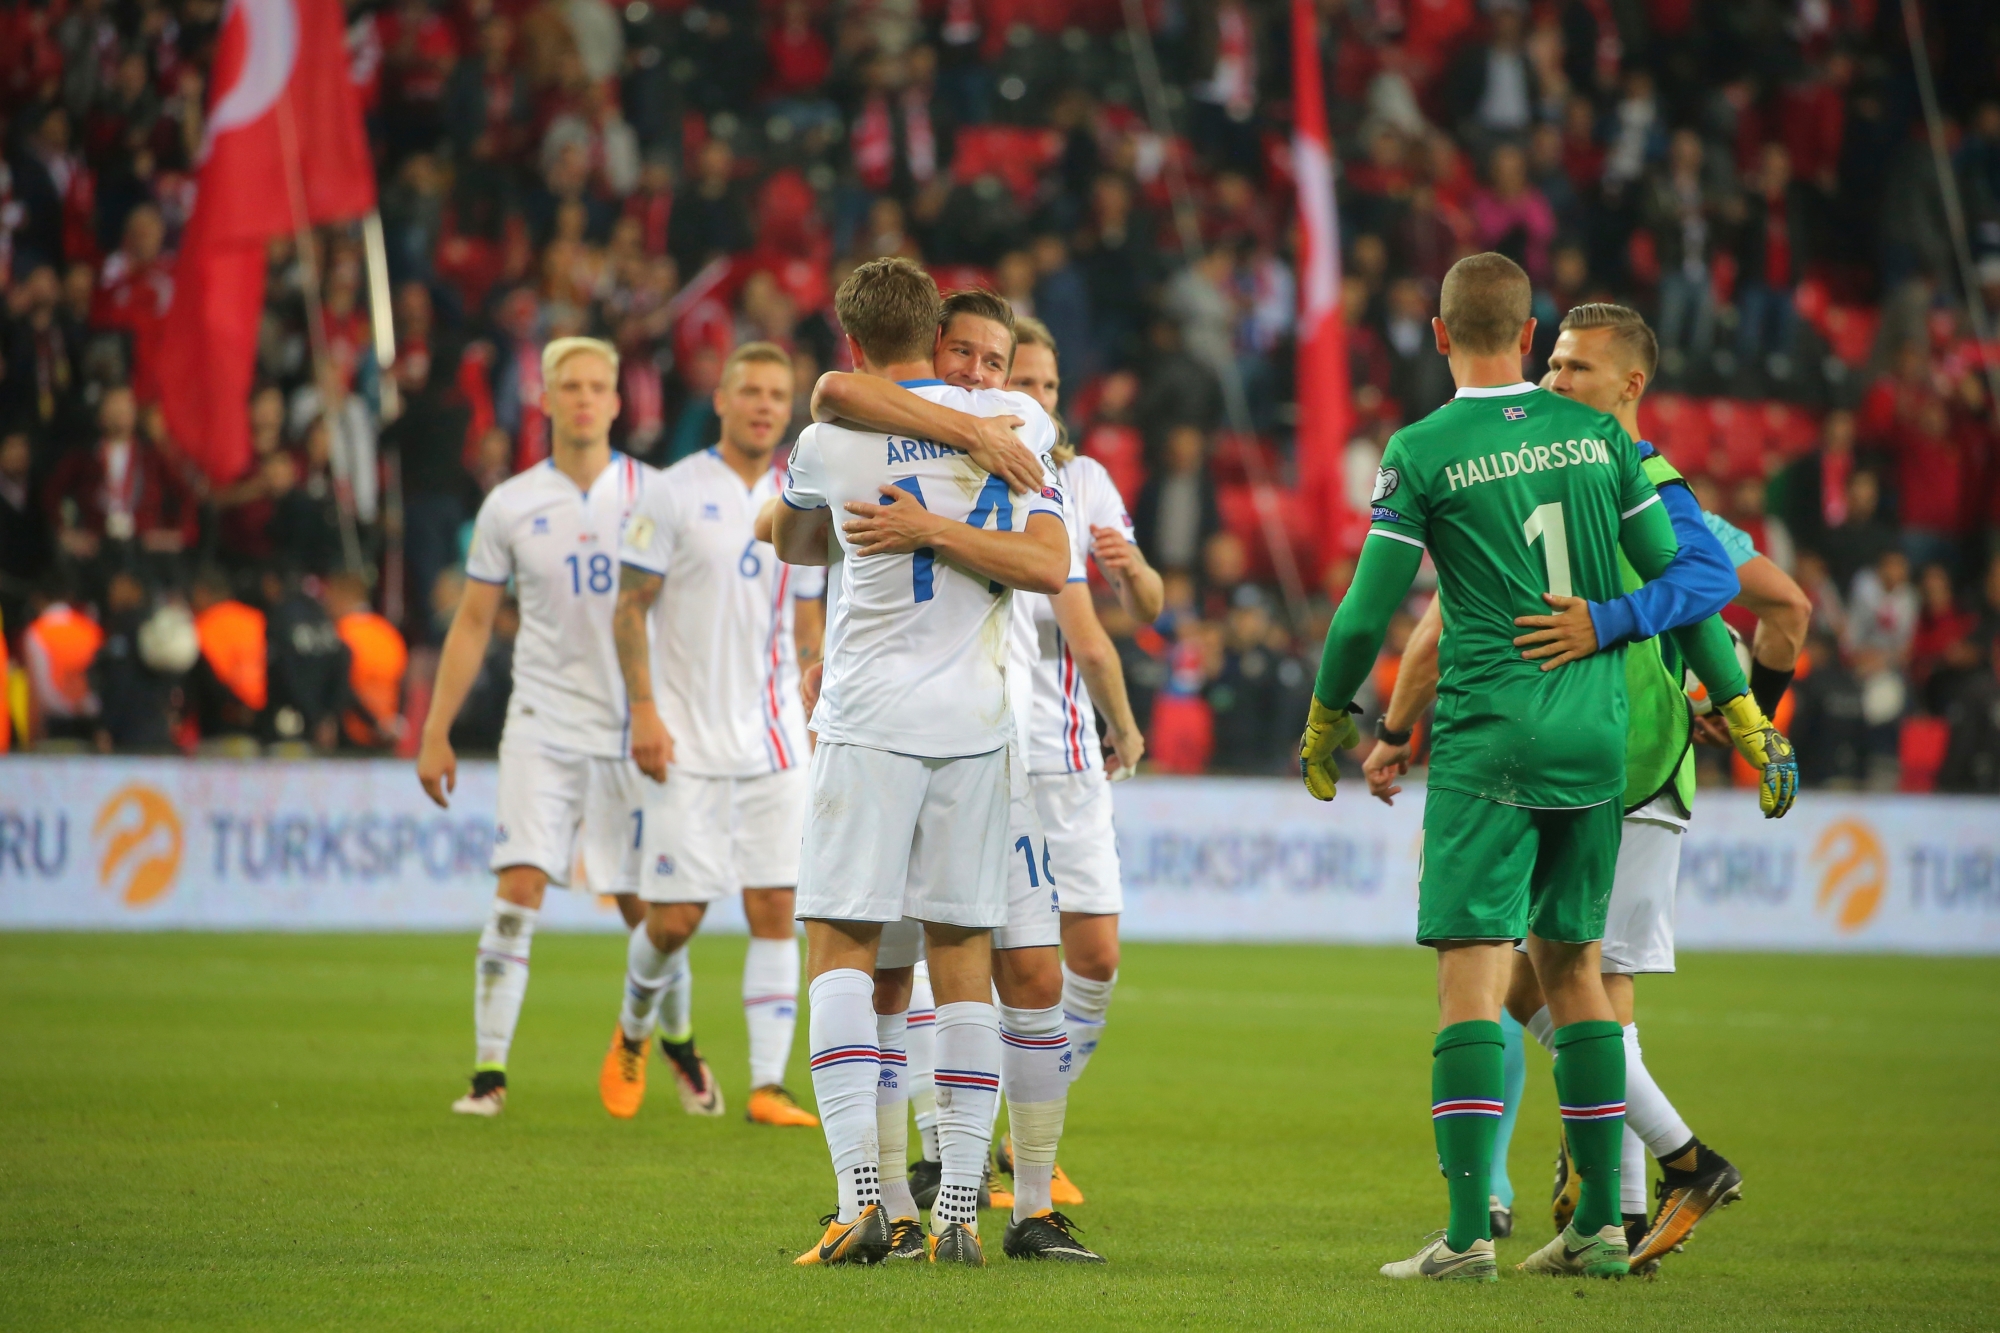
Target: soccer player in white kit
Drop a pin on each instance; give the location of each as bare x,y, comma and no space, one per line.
910,777
976,346
565,777
716,718
1069,776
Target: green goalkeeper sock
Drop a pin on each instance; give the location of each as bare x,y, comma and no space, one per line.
1590,1085
1466,1084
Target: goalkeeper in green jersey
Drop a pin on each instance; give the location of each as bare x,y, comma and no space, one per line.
1605,358
1518,494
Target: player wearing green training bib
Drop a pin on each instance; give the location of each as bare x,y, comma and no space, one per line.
1516,493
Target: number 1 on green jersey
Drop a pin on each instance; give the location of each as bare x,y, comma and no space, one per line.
1547,523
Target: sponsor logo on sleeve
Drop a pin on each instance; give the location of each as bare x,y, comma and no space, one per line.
640,533
1379,514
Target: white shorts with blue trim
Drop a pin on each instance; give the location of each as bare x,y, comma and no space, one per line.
1075,809
562,812
708,837
892,835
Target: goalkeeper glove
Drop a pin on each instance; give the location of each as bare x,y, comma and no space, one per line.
1327,730
1765,748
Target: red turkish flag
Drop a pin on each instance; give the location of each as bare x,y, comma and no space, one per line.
1325,409
284,149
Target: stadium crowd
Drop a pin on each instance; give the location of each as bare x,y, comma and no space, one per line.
677,178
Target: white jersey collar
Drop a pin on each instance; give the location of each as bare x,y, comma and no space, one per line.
1497,391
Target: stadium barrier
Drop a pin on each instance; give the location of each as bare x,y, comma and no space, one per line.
91,843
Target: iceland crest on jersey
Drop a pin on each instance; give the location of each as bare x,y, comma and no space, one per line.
1514,413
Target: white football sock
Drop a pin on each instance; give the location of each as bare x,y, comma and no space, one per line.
1648,1113
647,972
1542,1028
1632,1175
968,1081
770,1006
676,1012
845,1066
1084,1003
500,981
922,1050
1035,1072
892,1115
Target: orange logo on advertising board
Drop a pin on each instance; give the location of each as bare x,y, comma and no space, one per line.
141,837
1856,873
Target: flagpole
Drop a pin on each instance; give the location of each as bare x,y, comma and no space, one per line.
302,237
382,313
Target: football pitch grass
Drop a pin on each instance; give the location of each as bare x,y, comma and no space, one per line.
250,1131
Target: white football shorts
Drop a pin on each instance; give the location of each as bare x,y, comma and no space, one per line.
893,835
708,837
1034,913
553,804
1083,847
1639,927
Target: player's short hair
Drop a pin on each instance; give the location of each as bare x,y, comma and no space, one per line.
560,350
1031,332
980,304
1484,302
1629,331
890,307
761,352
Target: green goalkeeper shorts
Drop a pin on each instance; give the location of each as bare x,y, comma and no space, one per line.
1497,872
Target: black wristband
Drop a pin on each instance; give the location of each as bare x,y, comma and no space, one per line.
1768,686
1388,737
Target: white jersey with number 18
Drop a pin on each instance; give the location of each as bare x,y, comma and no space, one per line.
559,546
916,649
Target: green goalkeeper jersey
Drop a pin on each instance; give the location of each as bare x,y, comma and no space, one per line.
1517,492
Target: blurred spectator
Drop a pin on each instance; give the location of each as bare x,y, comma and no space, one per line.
305,527
1685,208
245,507
1773,250
57,648
119,495
377,659
1492,88
1176,512
24,528
1859,540
230,684
1942,647
138,687
1510,215
307,666
711,216
43,358
1828,725
1937,468
426,442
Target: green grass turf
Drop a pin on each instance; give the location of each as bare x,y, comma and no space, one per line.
250,1131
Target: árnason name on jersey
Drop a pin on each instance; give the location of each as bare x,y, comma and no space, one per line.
1528,458
909,451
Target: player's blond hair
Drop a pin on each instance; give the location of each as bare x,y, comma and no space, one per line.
763,353
1629,331
1031,332
890,307
562,349
1485,301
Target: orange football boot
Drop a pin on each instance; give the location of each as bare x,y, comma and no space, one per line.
773,1105
621,1081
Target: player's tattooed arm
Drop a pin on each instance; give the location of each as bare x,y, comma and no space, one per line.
877,404
652,747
